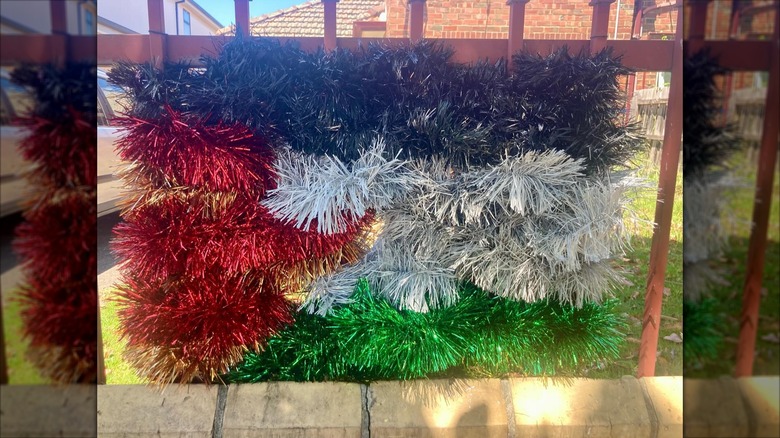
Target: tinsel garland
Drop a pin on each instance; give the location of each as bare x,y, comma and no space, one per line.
703,331
707,146
474,175
206,267
531,228
370,339
57,242
414,95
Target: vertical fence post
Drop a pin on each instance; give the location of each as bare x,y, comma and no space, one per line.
599,28
59,30
751,298
416,18
156,32
330,23
516,28
242,17
659,251
697,23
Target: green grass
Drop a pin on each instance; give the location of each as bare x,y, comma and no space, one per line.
728,298
118,371
632,296
20,371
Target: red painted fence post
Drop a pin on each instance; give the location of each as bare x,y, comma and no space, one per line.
329,10
242,18
659,251
156,32
516,28
599,28
751,298
416,19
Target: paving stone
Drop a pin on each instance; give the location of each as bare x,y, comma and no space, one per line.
666,396
713,408
438,408
580,407
287,409
137,410
761,395
42,410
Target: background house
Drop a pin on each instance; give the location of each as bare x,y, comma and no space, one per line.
182,17
31,17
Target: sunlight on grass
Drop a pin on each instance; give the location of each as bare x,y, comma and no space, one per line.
118,371
20,371
632,297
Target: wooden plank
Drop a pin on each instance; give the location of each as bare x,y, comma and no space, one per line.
242,17
330,23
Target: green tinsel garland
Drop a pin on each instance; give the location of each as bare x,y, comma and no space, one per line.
703,332
371,340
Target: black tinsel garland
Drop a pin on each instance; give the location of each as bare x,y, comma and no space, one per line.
414,96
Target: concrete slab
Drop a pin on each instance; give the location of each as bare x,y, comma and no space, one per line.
42,410
761,395
437,408
714,408
581,407
666,396
176,411
287,409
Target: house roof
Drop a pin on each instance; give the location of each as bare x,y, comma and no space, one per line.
306,19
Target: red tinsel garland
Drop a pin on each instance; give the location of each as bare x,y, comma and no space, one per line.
206,266
216,158
58,246
204,323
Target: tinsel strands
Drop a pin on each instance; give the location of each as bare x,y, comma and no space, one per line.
489,336
56,241
205,265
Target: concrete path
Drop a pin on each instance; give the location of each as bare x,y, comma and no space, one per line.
627,407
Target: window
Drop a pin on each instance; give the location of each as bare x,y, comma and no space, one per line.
89,19
187,23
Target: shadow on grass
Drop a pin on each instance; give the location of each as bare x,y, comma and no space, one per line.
727,307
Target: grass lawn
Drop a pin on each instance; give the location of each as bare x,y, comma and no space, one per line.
728,297
631,297
20,372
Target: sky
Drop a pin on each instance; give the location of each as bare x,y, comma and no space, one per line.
223,10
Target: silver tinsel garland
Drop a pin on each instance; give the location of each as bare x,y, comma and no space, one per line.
530,227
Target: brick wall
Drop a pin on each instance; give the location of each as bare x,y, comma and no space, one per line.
544,19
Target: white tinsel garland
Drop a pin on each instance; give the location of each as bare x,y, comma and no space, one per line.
531,227
704,238
332,192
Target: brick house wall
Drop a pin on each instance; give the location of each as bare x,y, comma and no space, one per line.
544,19
718,24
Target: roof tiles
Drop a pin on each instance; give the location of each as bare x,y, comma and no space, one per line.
307,19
